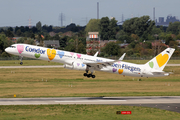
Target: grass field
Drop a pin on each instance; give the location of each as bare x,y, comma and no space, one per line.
83,112
60,82
26,62
41,62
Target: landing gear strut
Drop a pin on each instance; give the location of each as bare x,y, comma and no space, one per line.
89,75
21,57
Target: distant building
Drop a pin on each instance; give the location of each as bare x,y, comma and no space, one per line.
178,41
161,19
157,43
123,45
36,42
52,43
168,20
92,42
14,39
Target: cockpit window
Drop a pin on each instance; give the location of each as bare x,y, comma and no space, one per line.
12,46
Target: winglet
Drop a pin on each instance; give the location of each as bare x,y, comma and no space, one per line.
122,57
95,55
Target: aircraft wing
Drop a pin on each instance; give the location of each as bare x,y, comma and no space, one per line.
103,64
99,65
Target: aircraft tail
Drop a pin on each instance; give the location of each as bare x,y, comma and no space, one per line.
160,61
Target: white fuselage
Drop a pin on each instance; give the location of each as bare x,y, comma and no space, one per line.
65,57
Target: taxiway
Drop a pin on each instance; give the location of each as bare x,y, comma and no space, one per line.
54,66
171,103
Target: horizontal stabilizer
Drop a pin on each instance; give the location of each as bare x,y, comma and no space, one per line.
160,73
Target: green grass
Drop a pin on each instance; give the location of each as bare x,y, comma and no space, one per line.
27,63
69,83
41,62
83,112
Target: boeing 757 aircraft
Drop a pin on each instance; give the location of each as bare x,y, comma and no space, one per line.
76,61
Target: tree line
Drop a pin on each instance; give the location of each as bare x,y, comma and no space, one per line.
138,32
144,38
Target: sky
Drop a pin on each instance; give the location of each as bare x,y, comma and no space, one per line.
18,12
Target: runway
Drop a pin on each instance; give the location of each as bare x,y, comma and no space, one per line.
171,103
173,65
55,66
45,66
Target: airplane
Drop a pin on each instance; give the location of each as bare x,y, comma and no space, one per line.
77,61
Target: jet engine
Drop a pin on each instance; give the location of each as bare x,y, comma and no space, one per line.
76,66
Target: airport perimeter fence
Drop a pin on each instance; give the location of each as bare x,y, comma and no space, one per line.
113,57
140,58
15,58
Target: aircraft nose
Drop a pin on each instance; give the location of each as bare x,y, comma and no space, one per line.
7,50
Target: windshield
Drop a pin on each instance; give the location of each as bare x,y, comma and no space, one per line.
12,46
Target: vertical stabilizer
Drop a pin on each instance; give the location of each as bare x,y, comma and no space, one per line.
160,61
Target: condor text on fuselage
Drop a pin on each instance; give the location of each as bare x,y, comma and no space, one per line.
89,64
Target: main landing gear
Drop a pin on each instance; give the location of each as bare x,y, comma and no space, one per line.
89,75
21,57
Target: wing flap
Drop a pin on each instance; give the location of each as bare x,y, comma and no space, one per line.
108,63
100,65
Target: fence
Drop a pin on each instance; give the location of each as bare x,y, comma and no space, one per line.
139,58
16,58
113,57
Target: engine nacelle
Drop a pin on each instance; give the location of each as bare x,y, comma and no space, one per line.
76,66
68,66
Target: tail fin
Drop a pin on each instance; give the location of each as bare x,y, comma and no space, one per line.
160,61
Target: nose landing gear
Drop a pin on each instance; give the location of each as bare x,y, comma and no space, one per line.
21,57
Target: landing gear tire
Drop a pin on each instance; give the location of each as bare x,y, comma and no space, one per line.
93,76
21,63
85,74
88,75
